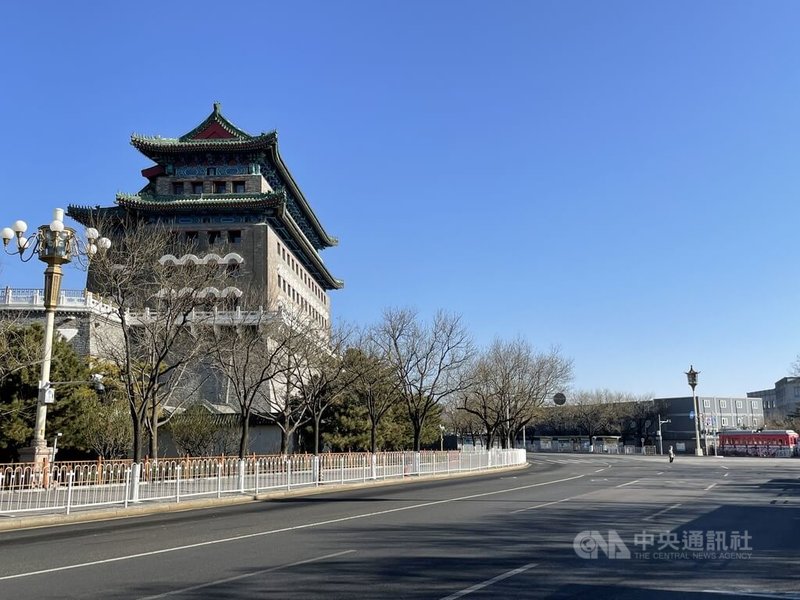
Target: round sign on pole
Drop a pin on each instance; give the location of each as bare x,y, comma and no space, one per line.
559,399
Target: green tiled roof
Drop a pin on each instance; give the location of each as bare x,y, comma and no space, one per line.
239,140
193,202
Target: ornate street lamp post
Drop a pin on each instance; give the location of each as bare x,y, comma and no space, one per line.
691,376
55,245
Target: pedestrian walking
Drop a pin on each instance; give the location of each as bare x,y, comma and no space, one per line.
671,454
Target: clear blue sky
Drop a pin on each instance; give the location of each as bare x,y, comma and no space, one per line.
619,179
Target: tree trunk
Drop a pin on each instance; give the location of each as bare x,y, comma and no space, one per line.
373,436
316,434
284,442
417,435
153,442
137,441
244,440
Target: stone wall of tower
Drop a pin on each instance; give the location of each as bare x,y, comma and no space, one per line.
228,235
253,184
89,332
294,286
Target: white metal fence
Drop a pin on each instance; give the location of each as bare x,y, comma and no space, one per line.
64,487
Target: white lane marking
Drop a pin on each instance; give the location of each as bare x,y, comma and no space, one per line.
725,475
711,486
723,466
488,582
661,512
600,470
660,473
629,483
754,594
513,512
284,529
246,575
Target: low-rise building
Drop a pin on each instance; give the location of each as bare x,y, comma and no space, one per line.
781,400
715,414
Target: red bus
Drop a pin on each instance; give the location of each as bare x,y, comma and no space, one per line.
769,442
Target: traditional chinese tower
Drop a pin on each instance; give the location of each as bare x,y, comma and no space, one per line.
220,187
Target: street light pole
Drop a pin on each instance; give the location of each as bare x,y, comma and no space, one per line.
55,245
660,438
691,376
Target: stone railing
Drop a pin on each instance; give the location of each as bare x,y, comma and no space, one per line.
27,297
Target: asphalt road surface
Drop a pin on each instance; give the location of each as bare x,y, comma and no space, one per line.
568,526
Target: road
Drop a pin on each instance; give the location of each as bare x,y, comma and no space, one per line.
500,535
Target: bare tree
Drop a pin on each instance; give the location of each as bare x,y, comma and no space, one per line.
428,360
251,352
636,414
289,411
322,372
376,385
601,411
154,305
482,400
464,425
509,381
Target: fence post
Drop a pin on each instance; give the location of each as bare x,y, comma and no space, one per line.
341,464
241,475
127,486
315,469
177,484
288,474
71,478
373,460
256,474
219,480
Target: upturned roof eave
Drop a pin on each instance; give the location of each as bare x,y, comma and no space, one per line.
328,240
88,215
153,146
204,202
308,249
